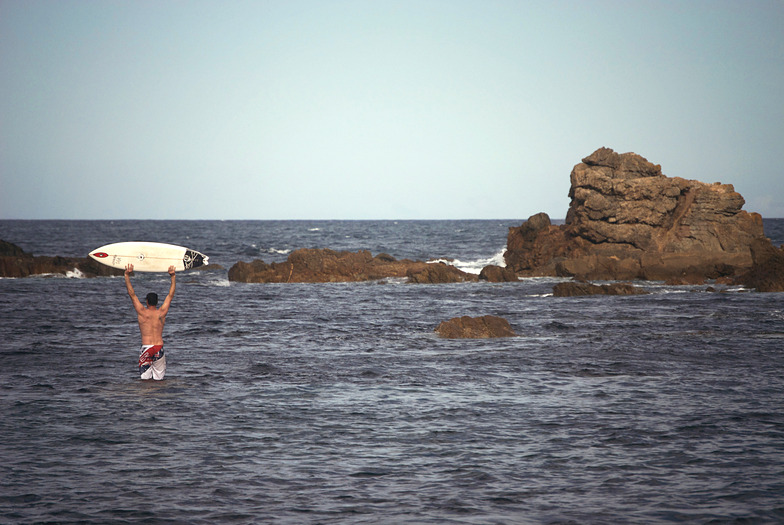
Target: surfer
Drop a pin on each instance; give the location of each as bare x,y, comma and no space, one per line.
152,362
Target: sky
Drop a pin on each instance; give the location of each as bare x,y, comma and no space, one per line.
376,109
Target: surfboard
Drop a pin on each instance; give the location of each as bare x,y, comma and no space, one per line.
149,256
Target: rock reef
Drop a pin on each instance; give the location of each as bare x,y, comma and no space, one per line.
311,265
14,262
628,221
576,289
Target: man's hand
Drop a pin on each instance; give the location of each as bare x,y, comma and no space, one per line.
171,270
128,269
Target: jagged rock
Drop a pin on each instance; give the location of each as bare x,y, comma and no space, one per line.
325,265
629,221
475,328
574,289
767,271
534,251
497,274
15,262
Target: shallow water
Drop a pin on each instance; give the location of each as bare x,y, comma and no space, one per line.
336,403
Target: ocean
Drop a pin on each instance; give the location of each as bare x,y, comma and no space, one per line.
337,403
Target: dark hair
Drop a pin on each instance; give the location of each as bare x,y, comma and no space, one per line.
152,299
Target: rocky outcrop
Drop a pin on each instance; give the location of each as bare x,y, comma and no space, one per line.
497,274
767,271
325,265
484,327
438,273
575,289
629,221
14,262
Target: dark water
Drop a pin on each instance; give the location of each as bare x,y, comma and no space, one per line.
336,403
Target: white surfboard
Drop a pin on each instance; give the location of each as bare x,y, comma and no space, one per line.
149,256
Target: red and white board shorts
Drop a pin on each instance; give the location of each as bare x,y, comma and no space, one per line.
152,362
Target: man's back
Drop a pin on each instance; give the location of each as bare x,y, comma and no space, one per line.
151,322
151,319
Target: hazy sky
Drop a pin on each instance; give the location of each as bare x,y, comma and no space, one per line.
377,109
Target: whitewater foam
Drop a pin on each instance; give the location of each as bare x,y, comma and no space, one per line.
475,266
76,273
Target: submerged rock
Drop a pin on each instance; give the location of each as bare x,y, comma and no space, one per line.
487,326
575,289
629,221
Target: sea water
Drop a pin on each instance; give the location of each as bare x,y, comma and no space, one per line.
337,403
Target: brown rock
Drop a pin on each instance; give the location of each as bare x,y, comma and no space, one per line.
438,273
599,267
627,220
574,289
767,271
475,328
533,250
497,274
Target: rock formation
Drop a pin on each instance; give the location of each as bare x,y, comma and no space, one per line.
628,221
438,273
767,271
14,262
483,327
497,274
325,265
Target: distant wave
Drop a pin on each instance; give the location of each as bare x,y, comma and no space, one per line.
76,273
475,267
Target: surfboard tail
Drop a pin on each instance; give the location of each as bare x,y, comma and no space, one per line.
193,259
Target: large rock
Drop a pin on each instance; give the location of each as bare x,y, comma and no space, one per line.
324,265
14,262
767,271
484,327
627,220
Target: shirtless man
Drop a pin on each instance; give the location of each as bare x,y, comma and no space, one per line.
152,362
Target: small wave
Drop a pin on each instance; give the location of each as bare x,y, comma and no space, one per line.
475,267
76,273
314,229
278,251
72,274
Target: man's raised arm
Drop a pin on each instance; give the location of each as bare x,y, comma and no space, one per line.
137,305
167,302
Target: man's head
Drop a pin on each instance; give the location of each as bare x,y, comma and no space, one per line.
152,299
